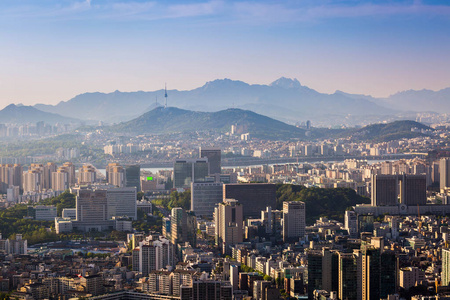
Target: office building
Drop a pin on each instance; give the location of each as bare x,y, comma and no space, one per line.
92,210
411,276
348,277
121,201
293,220
445,274
254,197
351,223
378,273
60,179
42,212
214,157
384,190
391,190
133,176
187,171
228,218
183,227
204,197
444,170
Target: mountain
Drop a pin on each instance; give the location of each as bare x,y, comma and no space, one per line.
174,120
21,114
387,132
420,101
284,99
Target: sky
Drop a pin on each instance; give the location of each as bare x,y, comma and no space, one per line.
52,50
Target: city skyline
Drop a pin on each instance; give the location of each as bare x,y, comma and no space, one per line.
56,50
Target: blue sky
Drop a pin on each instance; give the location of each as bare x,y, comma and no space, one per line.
51,51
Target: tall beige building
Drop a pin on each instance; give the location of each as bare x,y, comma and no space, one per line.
87,174
116,175
48,169
228,217
444,170
10,175
293,220
32,181
71,171
60,179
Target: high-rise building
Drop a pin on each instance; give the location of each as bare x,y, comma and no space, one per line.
314,272
390,190
204,197
293,220
378,273
228,218
183,227
48,169
92,210
187,171
87,174
351,223
384,190
214,156
71,171
413,190
121,201
116,176
348,277
254,197
10,175
60,179
133,176
154,254
444,170
445,274
32,181
93,284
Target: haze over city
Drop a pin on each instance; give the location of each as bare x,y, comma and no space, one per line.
54,50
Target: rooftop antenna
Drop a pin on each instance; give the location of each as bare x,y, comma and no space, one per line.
165,94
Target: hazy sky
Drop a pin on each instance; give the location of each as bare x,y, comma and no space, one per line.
52,50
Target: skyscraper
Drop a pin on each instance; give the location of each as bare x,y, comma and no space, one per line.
187,171
384,190
60,180
228,218
445,274
92,210
133,176
183,227
214,157
116,175
293,220
348,277
444,170
49,168
87,174
205,196
351,223
254,197
32,181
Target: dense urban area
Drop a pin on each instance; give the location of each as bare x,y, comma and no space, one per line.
90,213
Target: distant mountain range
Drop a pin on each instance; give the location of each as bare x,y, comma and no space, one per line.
284,99
20,114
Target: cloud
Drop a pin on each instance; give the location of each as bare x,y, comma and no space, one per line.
230,11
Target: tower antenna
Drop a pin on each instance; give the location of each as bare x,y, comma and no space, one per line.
165,94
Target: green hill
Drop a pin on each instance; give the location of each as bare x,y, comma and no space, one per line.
174,120
386,132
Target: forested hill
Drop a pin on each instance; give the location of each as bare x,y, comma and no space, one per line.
327,202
